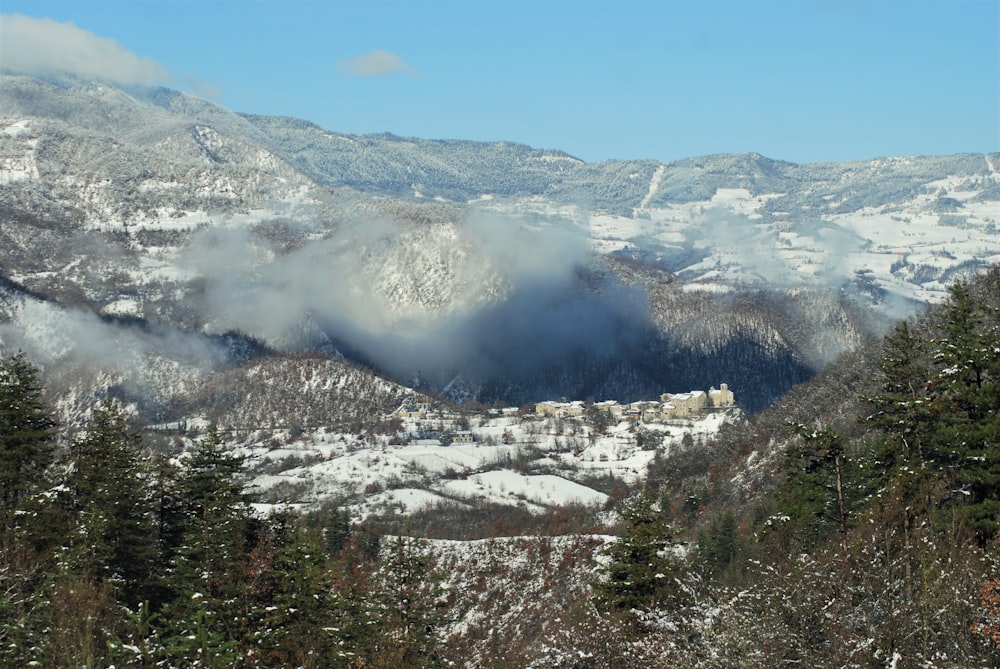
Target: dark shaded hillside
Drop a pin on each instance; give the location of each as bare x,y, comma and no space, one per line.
852,523
757,373
735,468
296,392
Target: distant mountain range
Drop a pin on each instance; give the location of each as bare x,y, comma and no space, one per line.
149,239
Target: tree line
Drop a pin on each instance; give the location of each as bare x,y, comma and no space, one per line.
112,555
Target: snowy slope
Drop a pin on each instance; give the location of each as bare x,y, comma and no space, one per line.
533,464
907,251
485,270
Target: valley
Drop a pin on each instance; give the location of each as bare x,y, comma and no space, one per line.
372,398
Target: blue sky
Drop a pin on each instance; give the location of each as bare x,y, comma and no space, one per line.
802,80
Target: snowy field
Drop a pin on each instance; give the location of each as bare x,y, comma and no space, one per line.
547,463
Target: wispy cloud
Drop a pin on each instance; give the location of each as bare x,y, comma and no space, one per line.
45,47
375,63
504,295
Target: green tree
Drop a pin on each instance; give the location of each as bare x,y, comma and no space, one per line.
811,498
966,388
291,590
208,617
717,543
112,532
27,441
27,437
334,525
903,411
169,510
405,602
642,571
102,528
939,412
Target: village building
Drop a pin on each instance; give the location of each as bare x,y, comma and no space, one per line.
671,406
548,408
685,404
560,409
722,397
654,413
410,411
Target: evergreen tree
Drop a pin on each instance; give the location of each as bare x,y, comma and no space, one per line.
405,604
717,543
207,618
940,410
27,440
642,571
811,498
291,591
351,614
170,508
903,411
210,478
112,533
967,390
334,524
26,436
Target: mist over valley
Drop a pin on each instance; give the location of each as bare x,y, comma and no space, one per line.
491,271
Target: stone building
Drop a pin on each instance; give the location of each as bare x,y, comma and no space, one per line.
722,397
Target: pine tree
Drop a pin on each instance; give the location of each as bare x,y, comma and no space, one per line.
334,524
210,480
642,571
940,410
292,596
405,604
112,532
351,615
811,498
27,440
169,507
26,436
206,620
717,543
967,389
105,557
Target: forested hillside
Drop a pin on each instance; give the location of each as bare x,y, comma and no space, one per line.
250,345
852,524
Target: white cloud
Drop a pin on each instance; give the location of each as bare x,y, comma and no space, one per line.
375,64
45,47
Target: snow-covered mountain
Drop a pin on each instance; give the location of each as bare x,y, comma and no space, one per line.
329,300
178,229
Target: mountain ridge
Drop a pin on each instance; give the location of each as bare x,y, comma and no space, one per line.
524,273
